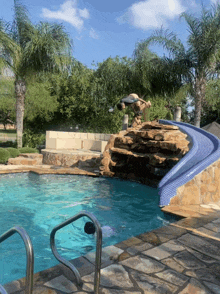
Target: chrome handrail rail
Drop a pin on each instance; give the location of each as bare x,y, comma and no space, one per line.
98,248
29,253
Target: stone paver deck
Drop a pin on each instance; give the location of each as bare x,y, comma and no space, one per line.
183,257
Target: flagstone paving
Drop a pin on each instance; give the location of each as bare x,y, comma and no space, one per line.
169,260
183,258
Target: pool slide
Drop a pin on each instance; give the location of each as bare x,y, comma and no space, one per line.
204,150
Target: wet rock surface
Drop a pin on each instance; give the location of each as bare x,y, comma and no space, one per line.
145,153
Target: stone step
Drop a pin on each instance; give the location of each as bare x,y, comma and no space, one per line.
27,159
31,155
187,210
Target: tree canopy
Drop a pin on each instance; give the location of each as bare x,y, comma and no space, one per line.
29,49
53,90
196,63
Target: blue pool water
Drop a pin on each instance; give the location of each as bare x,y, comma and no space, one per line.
38,203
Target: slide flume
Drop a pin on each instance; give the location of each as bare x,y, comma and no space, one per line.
204,150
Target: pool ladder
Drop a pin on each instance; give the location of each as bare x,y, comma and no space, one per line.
30,252
98,248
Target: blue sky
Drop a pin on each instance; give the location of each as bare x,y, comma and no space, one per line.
100,29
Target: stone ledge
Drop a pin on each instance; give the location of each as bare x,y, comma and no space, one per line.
71,159
31,155
23,161
187,210
48,169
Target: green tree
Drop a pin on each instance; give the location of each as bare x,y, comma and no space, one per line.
72,92
211,105
40,105
155,75
200,59
111,81
142,67
85,96
7,101
28,49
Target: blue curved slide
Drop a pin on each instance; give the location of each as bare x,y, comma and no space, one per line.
204,150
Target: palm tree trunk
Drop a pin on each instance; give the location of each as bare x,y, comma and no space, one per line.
199,97
20,90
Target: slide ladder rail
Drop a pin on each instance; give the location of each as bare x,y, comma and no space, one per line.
29,253
98,248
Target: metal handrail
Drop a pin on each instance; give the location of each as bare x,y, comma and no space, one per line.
98,248
29,253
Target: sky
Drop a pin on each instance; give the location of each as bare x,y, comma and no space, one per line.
100,29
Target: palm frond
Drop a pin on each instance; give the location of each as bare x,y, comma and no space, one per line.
142,52
204,36
168,40
10,51
22,26
48,49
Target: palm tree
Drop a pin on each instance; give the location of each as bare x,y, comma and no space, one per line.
199,61
28,50
156,76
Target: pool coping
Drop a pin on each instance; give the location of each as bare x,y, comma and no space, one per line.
58,278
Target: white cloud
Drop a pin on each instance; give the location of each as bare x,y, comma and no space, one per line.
84,13
151,13
68,12
93,34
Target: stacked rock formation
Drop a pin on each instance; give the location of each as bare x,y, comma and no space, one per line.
144,153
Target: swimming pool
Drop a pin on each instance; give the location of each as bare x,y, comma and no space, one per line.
40,202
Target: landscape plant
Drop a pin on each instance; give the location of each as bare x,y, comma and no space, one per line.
4,155
27,150
14,152
29,49
32,139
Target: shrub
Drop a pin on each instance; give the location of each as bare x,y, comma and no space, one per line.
31,139
4,155
8,144
28,150
13,152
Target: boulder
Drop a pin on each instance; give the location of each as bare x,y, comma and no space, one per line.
26,159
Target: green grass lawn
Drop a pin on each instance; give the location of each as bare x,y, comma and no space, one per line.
8,133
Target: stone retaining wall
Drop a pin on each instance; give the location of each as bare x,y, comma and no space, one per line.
203,188
72,140
73,160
